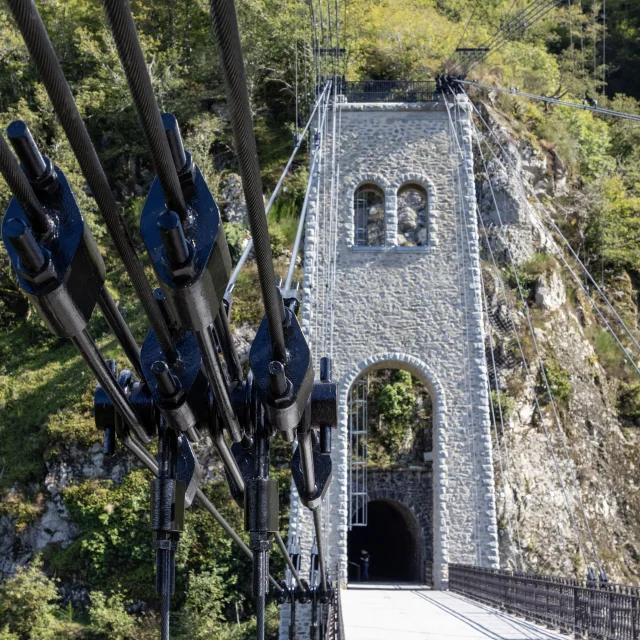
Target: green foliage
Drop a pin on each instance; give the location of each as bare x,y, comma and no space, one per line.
628,401
502,402
395,405
27,605
237,235
108,619
559,384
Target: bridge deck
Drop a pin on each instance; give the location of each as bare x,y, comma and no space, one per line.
411,612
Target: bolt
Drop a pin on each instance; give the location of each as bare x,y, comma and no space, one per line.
174,138
175,243
166,382
25,245
27,150
277,379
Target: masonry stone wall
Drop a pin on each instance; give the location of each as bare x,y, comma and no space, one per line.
416,308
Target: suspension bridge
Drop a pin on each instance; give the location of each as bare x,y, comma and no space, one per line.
395,264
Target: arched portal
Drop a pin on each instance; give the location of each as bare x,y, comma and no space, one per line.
392,537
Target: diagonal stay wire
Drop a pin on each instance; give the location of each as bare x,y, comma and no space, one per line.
562,256
528,372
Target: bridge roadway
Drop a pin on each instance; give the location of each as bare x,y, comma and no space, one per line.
412,612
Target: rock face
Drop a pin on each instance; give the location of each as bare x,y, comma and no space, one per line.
550,292
232,204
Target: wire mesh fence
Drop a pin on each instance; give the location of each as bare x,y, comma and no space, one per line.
391,91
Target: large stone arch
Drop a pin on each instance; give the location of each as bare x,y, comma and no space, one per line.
428,377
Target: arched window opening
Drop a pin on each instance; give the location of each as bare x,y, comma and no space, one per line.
412,216
368,208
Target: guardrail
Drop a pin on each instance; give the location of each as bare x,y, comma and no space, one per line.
390,91
593,610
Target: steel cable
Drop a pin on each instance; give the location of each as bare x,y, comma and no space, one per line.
42,52
130,52
21,189
225,22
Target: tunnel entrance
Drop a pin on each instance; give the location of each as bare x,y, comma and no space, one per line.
392,538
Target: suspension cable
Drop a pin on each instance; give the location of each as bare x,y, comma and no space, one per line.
225,22
35,36
305,204
543,375
503,476
21,188
587,273
127,42
276,191
564,103
530,378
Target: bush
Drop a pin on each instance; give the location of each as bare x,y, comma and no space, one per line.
395,404
237,235
559,384
108,619
27,605
504,402
628,402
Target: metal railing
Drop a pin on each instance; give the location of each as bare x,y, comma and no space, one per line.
593,610
335,624
390,91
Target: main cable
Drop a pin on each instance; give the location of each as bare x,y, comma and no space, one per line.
225,22
21,189
42,52
127,42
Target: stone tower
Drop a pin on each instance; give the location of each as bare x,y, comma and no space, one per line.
413,305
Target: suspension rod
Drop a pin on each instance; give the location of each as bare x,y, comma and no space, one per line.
135,68
21,189
35,36
285,554
225,22
276,191
305,205
149,462
120,329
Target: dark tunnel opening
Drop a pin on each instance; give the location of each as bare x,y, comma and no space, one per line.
392,539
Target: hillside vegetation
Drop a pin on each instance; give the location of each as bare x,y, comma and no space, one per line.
95,581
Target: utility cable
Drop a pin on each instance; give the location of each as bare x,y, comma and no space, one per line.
42,52
542,368
225,22
127,42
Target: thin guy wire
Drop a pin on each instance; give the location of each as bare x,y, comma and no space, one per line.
535,395
587,273
564,103
542,371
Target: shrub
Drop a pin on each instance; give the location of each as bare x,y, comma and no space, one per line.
108,619
27,605
559,384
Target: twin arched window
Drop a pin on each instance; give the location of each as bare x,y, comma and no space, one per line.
369,216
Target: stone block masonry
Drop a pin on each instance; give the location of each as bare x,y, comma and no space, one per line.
418,309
